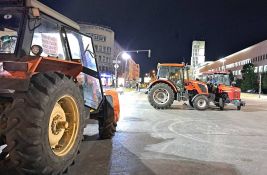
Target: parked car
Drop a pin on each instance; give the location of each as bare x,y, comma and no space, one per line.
253,91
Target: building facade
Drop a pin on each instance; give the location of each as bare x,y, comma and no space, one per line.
133,72
198,56
256,54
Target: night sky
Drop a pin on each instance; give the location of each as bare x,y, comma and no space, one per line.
168,27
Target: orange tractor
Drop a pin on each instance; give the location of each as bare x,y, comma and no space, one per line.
173,83
49,88
221,91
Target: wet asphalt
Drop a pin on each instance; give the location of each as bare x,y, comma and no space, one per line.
179,141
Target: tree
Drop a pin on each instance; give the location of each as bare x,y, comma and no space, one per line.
238,82
249,78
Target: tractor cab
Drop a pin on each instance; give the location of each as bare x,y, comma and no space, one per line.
35,38
175,73
24,23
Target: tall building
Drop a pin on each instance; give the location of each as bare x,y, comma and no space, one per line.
198,56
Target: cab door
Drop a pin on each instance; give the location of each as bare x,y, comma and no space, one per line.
82,50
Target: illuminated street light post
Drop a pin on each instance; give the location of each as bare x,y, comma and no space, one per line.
116,66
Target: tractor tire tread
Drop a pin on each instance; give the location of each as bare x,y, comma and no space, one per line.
153,103
195,103
27,116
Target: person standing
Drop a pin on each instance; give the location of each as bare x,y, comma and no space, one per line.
137,86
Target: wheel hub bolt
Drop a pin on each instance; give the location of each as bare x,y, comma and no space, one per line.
62,125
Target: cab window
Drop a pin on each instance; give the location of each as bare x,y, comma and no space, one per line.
89,53
176,74
47,35
74,44
9,29
163,72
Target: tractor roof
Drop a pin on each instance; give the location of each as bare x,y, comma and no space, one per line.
43,8
171,64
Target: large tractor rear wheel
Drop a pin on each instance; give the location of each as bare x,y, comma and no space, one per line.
201,102
46,125
161,96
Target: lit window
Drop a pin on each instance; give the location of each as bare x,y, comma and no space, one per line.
256,70
260,68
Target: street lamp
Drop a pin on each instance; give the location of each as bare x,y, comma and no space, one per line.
125,56
123,53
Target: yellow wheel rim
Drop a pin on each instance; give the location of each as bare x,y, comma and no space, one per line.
63,126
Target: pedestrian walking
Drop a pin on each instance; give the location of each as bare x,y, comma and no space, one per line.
137,86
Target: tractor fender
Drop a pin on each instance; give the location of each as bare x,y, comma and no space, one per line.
174,88
16,75
198,96
116,103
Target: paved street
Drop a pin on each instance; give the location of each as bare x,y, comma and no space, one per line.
179,141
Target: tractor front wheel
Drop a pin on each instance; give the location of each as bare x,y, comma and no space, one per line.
201,102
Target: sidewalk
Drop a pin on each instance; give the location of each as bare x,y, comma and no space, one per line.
253,96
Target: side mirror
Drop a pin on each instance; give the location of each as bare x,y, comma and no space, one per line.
36,50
